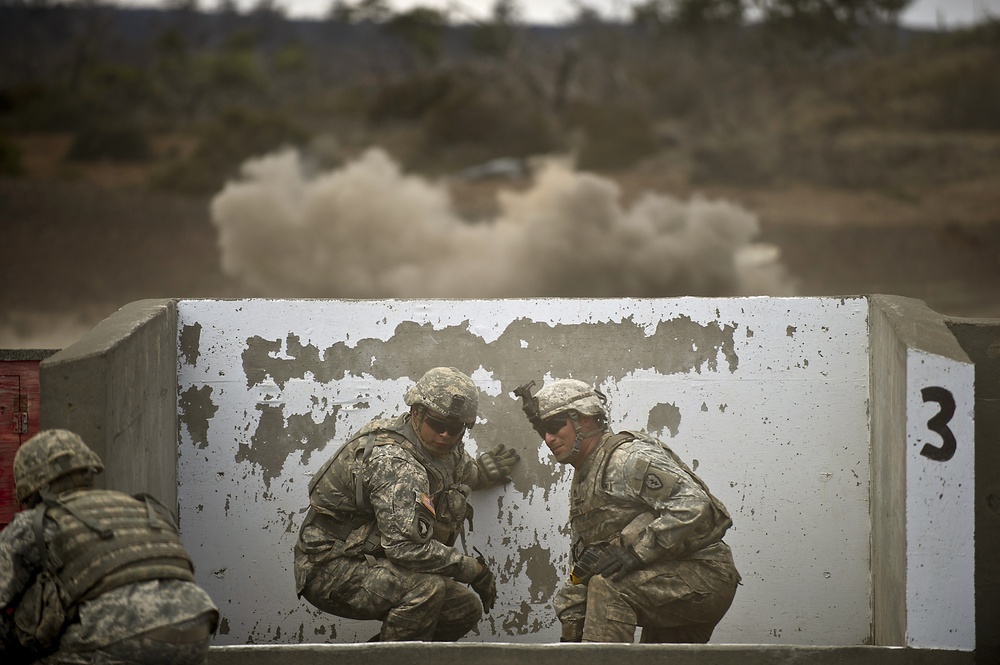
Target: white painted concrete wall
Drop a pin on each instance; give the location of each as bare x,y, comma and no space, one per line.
940,494
767,397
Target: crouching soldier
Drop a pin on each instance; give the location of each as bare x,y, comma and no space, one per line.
386,510
647,545
94,576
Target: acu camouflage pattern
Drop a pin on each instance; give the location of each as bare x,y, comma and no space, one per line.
448,392
111,618
47,456
382,488
565,394
135,542
632,478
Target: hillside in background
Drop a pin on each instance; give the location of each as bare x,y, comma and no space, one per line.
870,162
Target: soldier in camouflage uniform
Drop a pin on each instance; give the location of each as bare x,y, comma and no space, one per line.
94,576
386,510
646,532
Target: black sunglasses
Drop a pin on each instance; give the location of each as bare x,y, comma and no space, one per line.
442,426
553,425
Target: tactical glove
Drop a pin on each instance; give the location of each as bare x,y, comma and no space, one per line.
496,463
616,562
485,585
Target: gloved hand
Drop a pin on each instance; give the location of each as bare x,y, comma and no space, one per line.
496,463
615,562
485,584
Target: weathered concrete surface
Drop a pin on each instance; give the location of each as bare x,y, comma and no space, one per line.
117,388
923,477
981,340
767,399
888,424
414,653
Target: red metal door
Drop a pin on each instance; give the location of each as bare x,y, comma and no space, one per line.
19,413
12,420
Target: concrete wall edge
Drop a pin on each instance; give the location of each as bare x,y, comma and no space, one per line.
919,327
414,653
113,329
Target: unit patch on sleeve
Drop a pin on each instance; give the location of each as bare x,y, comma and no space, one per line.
424,518
652,482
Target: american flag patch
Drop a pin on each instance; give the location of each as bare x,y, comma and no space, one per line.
426,500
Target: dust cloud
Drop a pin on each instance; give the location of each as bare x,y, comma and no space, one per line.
368,230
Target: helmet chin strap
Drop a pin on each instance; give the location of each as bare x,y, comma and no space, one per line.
581,436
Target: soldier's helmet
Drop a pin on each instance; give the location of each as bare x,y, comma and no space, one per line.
49,455
448,392
570,394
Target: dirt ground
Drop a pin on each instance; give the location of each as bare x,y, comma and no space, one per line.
78,245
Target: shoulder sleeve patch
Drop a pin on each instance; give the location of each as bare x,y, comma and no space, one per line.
428,503
423,518
650,481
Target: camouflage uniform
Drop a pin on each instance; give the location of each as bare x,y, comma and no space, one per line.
129,621
633,491
94,576
377,540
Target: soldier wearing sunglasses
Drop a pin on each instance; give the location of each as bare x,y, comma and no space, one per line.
647,546
385,512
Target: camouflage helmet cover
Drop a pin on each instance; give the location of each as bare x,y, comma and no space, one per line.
49,455
448,392
569,394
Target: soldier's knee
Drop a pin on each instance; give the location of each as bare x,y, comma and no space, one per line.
432,587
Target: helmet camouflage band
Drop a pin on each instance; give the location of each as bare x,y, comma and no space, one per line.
49,455
448,392
569,394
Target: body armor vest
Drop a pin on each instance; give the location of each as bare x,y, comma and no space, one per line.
339,500
597,517
107,539
103,540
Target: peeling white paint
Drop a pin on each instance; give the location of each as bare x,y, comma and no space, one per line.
786,449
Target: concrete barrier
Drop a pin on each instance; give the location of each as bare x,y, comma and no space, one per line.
136,388
980,339
417,653
923,452
117,388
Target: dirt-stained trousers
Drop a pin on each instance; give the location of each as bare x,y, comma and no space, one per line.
674,602
412,606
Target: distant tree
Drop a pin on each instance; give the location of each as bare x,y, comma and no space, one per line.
507,12
340,11
703,13
422,28
687,14
292,60
171,43
825,22
839,11
372,11
267,8
181,5
245,39
497,36
650,15
584,14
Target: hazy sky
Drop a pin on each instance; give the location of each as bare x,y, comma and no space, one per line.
926,13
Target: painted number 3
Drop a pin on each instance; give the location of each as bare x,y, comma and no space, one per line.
939,424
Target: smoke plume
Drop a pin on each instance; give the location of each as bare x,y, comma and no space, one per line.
368,230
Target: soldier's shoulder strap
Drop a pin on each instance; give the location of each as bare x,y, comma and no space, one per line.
48,502
155,507
372,429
